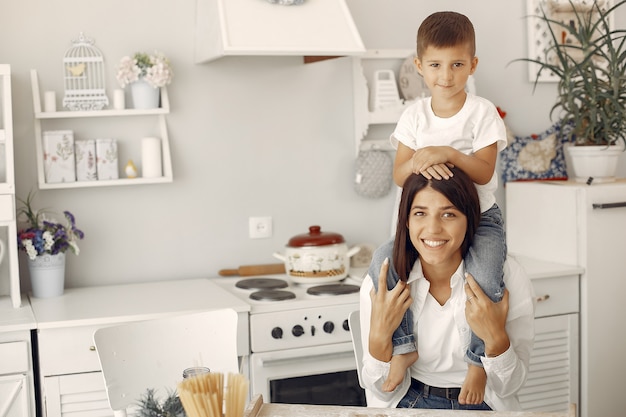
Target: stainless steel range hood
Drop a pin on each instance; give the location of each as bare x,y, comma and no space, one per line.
258,27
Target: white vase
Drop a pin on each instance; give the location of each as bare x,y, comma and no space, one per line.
47,275
144,95
597,162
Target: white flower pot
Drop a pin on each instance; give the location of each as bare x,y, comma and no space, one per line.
47,275
596,162
144,95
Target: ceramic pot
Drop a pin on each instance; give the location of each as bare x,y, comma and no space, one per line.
144,95
47,275
597,162
317,257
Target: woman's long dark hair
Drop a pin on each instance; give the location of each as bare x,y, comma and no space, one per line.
461,192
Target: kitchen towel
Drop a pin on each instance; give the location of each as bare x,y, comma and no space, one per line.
151,158
374,171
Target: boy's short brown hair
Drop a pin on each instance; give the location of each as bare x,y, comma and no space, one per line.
444,30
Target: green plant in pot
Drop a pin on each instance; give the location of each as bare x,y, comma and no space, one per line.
151,406
588,59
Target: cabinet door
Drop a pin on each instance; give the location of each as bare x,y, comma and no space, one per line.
14,396
553,377
76,394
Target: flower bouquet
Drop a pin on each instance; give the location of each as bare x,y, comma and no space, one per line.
154,69
45,241
46,236
145,74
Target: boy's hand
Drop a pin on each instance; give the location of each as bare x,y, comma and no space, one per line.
438,172
432,162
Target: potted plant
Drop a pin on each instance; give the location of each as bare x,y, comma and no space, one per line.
588,58
145,74
150,406
45,241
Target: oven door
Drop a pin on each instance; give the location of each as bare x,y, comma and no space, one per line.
321,375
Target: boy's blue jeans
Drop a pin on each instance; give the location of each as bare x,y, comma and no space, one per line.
484,261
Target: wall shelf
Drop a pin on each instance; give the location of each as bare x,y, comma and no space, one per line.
363,68
41,117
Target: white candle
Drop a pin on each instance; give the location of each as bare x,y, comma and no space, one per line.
50,101
118,100
151,158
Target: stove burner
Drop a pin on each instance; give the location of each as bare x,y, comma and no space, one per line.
261,284
333,289
272,295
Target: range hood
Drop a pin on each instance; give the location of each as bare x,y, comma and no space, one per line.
316,28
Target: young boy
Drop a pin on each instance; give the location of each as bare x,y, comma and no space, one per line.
451,127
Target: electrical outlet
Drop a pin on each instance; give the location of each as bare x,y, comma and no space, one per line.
260,227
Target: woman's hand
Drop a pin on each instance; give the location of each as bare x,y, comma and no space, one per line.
388,307
486,318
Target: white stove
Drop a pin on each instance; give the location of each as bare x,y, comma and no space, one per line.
300,343
286,315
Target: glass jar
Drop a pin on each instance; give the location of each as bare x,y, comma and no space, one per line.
195,371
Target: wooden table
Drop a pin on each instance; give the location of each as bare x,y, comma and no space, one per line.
256,408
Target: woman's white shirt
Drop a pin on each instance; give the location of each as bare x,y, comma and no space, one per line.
506,373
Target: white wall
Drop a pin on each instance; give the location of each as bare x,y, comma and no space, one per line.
250,136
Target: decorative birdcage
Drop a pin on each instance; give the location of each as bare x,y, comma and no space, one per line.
83,69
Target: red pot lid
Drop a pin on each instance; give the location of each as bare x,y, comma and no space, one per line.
315,237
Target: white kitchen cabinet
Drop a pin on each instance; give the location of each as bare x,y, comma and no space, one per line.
69,368
15,378
67,120
14,396
79,394
372,127
17,393
9,269
579,224
553,378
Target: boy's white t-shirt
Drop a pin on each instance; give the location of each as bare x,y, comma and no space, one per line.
477,125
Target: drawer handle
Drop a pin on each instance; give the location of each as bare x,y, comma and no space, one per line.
543,298
92,348
609,205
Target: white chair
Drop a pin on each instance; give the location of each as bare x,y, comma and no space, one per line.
152,354
354,322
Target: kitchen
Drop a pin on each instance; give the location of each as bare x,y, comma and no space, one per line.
250,136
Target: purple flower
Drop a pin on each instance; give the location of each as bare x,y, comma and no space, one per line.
46,235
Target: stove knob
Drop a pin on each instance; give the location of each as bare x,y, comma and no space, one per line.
346,325
277,333
329,327
297,330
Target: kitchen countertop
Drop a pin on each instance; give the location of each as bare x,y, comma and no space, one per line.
16,319
133,302
538,269
142,301
256,408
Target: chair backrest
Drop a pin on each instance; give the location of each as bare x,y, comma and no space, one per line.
152,354
354,322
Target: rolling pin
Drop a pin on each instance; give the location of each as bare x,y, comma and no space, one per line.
249,270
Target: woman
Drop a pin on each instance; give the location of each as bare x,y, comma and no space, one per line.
436,223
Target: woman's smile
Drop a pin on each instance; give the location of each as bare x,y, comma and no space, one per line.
433,243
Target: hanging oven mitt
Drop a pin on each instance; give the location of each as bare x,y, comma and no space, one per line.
374,171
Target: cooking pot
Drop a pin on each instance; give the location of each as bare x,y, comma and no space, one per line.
317,257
